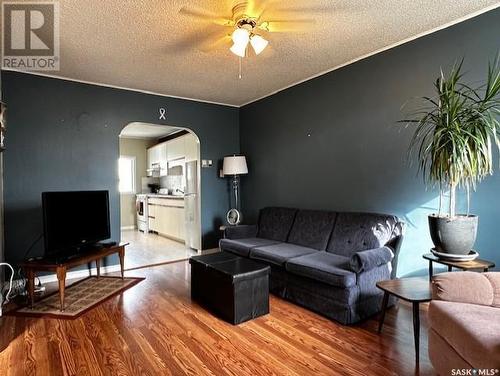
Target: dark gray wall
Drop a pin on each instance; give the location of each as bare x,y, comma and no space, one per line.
333,142
63,135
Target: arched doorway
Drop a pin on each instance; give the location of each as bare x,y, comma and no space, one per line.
160,189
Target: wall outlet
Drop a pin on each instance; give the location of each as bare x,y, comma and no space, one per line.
205,163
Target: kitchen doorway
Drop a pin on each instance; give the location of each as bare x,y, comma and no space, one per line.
159,182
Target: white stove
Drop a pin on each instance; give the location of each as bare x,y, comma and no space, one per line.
141,206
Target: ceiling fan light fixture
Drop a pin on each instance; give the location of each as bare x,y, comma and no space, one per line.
258,43
239,49
241,37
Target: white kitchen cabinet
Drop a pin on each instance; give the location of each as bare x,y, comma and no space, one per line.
181,147
168,217
190,147
153,156
152,214
176,148
157,158
163,150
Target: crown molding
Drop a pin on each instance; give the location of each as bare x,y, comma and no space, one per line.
63,78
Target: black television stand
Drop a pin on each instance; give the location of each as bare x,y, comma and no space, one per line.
73,253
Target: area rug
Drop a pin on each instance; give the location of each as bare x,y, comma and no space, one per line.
80,297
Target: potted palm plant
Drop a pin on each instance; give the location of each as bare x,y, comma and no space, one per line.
456,134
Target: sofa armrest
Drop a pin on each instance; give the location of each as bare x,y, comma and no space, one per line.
366,260
467,287
240,232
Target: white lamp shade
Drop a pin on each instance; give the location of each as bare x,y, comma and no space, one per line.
235,165
239,49
258,43
241,37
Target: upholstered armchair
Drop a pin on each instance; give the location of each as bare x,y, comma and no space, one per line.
464,322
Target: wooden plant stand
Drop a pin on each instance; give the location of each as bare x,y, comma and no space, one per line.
477,264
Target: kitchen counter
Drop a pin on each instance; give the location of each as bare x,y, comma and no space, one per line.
158,195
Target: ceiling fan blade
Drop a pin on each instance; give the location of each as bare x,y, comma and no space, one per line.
199,40
205,15
255,8
265,7
277,7
211,45
283,26
306,9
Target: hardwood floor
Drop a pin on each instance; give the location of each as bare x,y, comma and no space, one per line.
155,329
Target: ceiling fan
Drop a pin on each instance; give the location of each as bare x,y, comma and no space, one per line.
249,23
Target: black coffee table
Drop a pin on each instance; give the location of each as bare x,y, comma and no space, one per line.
234,288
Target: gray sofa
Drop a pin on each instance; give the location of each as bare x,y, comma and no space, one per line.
328,262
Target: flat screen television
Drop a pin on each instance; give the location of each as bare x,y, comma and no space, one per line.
75,221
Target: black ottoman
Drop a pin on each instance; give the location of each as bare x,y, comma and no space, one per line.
234,288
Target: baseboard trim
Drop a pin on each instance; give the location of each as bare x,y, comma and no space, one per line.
80,273
158,264
126,228
208,251
111,269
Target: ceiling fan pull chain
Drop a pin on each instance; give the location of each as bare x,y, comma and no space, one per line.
239,74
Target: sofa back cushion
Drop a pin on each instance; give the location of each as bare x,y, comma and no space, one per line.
355,232
275,223
494,278
312,228
467,287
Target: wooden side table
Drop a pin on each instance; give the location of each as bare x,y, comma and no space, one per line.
476,264
415,290
31,267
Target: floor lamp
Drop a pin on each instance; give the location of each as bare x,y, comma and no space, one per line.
235,166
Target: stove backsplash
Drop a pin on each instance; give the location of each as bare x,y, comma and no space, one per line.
172,182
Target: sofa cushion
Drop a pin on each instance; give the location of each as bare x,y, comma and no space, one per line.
366,260
355,232
324,267
240,231
471,330
279,253
275,223
242,247
494,278
463,287
312,228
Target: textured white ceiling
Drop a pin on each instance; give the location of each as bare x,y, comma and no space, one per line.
147,45
147,131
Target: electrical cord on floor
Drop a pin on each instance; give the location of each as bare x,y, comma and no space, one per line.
18,286
7,296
